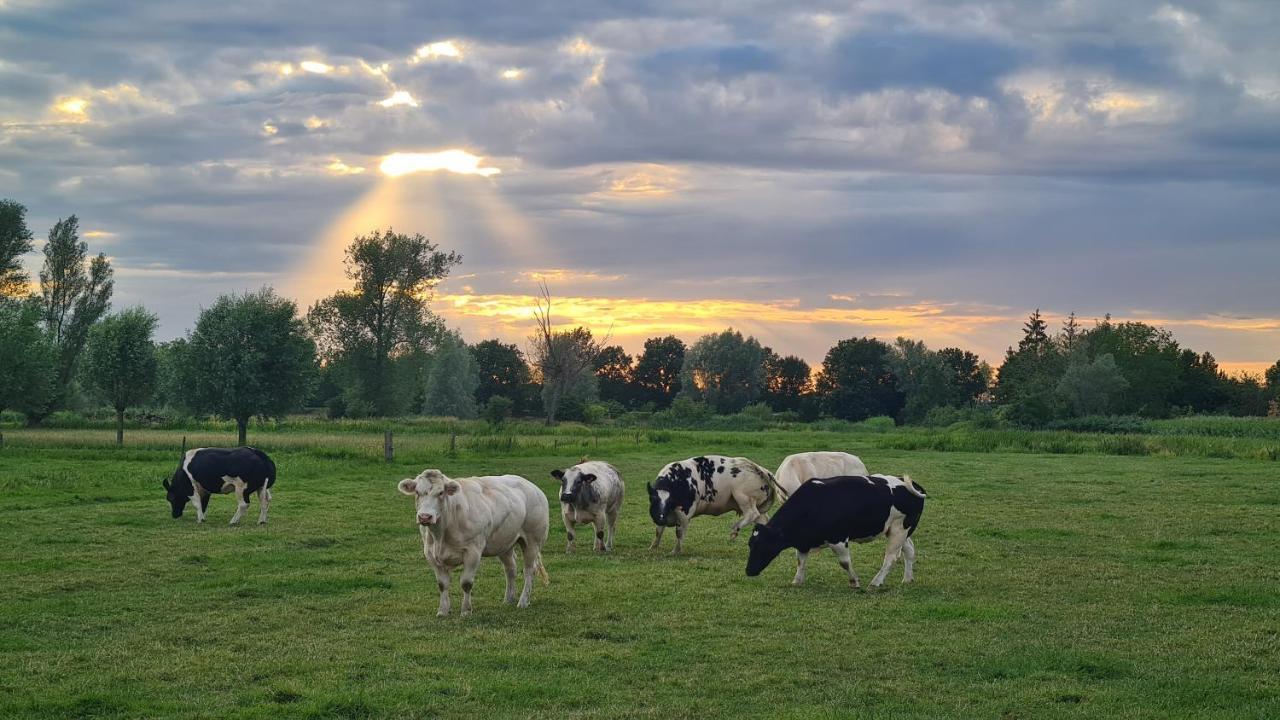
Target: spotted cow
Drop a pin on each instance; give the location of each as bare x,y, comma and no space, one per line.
800,468
206,471
590,492
708,485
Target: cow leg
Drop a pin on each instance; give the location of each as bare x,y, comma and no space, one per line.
242,500
196,500
470,565
802,560
264,503
566,512
680,530
908,561
750,514
613,525
600,522
442,582
509,566
897,537
531,553
657,537
841,551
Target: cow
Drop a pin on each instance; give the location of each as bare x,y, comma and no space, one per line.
708,485
205,471
590,492
839,510
464,519
802,467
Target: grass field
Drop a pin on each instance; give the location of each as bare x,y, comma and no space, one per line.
1048,585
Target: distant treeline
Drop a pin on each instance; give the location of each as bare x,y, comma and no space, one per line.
375,349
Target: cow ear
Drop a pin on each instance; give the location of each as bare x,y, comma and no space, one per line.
165,483
451,487
408,486
588,478
557,474
650,487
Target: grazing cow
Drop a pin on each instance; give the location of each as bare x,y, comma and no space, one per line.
465,519
708,485
800,468
590,492
835,511
205,471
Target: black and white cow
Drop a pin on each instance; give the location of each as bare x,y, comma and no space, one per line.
590,492
837,511
800,468
708,485
205,471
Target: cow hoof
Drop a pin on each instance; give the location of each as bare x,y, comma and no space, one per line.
442,613
797,583
262,522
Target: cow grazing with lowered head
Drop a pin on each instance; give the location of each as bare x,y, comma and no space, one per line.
466,519
208,471
839,510
590,492
800,468
708,485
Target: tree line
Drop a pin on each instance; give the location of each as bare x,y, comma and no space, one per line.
375,348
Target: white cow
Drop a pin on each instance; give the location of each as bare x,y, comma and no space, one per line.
465,519
590,492
800,468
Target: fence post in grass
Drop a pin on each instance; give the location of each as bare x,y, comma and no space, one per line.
388,452
184,444
453,442
1,441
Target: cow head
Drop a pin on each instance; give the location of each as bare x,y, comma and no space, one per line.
673,490
765,544
178,490
432,490
576,487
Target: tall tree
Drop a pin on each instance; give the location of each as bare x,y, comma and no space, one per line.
1149,359
385,315
503,371
724,370
1200,387
73,298
1092,388
452,381
564,360
970,376
787,381
857,381
27,358
656,375
1028,379
120,361
923,377
15,241
1070,333
248,356
612,367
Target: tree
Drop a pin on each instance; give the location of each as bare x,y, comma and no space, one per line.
787,381
169,391
384,317
1028,378
612,367
1149,359
248,356
1070,333
656,375
452,380
120,361
72,298
1092,388
1200,386
503,370
857,382
724,370
923,377
27,358
15,241
970,376
564,360
497,410
1272,376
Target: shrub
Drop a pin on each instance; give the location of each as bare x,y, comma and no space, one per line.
759,411
594,414
1113,424
498,410
880,423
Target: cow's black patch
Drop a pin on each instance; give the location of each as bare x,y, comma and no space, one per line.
706,468
735,471
681,487
720,469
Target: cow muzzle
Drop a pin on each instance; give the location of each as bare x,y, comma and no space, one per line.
426,519
567,498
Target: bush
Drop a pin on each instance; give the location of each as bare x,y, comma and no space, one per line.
1113,424
594,414
880,423
498,410
335,408
758,411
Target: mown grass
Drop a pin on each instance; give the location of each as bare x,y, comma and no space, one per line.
1047,586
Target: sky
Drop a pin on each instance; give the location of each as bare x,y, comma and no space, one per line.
802,172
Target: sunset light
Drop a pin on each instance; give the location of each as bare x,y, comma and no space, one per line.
442,49
312,66
398,98
454,161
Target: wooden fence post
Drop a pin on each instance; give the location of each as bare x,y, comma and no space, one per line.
388,451
1,440
453,442
184,444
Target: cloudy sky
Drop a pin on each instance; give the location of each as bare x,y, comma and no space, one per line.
801,171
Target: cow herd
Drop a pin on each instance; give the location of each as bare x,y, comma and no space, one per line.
828,499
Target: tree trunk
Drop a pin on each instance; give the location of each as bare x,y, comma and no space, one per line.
242,428
119,427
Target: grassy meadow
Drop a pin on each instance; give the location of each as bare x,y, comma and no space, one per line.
1058,576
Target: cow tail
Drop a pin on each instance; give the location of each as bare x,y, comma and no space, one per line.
271,467
542,569
773,491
